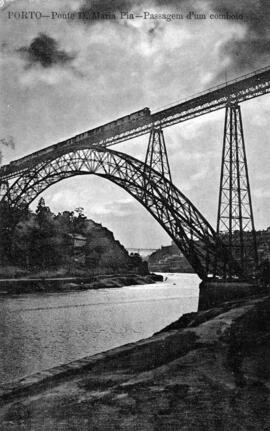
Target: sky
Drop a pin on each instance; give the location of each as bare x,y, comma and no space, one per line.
62,76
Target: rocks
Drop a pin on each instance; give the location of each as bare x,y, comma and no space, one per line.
26,285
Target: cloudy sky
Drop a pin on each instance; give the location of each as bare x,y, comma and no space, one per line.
60,77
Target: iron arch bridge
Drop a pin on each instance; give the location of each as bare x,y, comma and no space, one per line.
169,206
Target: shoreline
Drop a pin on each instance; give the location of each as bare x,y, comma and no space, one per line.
208,364
17,286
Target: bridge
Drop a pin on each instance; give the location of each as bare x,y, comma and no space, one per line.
142,251
221,252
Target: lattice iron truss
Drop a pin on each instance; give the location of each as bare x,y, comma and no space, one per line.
150,183
156,154
175,213
235,222
243,88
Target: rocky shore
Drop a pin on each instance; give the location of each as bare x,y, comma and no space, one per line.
208,371
65,284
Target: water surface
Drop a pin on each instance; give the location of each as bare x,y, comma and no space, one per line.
44,330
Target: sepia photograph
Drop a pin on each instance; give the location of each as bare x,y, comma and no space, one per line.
134,215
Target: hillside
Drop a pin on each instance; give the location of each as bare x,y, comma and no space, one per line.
169,259
68,243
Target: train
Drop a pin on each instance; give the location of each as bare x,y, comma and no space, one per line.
114,126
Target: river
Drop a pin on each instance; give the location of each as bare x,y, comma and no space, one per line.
44,330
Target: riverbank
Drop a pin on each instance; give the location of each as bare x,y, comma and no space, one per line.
208,371
64,284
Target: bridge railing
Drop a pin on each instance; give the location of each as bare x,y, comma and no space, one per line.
211,89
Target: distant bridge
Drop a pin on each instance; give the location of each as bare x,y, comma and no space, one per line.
150,182
140,250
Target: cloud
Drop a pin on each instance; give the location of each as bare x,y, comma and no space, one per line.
119,208
90,9
251,49
8,142
262,193
44,51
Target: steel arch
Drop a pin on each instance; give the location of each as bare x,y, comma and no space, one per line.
175,213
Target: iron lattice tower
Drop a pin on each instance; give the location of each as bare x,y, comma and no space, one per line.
235,222
156,154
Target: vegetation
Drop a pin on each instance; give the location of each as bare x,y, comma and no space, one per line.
36,240
43,241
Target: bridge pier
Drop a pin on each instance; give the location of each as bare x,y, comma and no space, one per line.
215,292
235,221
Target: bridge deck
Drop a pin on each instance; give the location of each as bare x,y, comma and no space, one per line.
240,89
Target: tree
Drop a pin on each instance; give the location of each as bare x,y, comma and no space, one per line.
43,241
9,218
79,221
